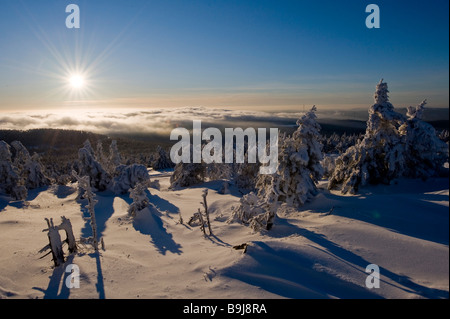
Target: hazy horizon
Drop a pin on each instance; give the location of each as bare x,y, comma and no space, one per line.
161,121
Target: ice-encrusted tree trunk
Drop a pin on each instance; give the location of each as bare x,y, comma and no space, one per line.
85,186
205,207
202,217
379,156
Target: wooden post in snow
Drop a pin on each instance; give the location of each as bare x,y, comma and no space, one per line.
66,225
55,242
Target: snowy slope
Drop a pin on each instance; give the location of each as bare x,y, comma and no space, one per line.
319,252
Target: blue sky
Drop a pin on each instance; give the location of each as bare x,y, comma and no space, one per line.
261,55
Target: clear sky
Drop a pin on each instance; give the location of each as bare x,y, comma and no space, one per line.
262,55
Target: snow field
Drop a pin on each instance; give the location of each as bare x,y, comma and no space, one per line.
319,252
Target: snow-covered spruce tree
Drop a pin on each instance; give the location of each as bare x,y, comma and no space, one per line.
187,174
255,211
29,167
100,155
294,183
99,178
217,171
245,174
139,197
11,182
36,177
114,159
20,155
425,152
299,165
127,177
329,164
379,156
87,145
161,159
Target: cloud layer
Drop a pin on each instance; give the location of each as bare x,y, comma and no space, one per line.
159,121
162,121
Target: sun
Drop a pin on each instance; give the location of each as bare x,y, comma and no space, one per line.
76,81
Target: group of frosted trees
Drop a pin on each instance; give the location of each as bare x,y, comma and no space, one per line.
107,173
393,146
20,171
293,184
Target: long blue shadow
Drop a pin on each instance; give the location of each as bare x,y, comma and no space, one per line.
148,222
162,204
59,274
353,259
291,275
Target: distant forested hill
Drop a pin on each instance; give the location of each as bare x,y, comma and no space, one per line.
61,146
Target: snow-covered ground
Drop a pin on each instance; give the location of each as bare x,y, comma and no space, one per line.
321,251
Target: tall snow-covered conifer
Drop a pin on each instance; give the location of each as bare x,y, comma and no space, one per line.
294,183
381,155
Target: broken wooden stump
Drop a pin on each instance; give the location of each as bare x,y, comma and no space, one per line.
55,243
241,246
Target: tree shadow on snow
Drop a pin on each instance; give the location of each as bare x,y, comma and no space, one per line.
59,275
292,275
148,222
350,258
62,191
162,204
99,285
5,200
412,215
